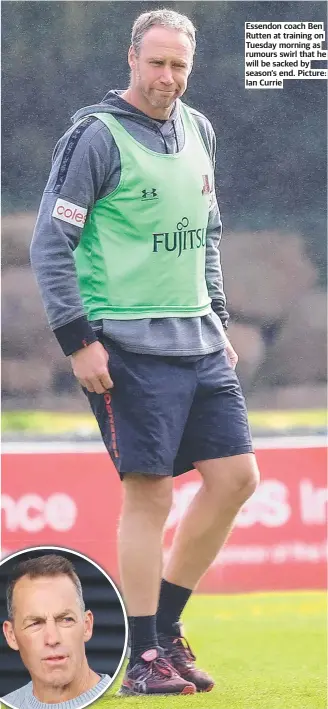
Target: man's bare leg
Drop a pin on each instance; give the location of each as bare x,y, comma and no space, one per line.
146,504
227,484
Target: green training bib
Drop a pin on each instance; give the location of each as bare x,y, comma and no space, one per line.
142,249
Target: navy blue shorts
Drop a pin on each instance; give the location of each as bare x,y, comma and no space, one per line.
166,413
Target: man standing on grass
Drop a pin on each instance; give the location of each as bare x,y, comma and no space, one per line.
125,252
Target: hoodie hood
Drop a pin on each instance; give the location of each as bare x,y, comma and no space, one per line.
119,108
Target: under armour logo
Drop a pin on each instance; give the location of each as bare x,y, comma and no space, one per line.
149,194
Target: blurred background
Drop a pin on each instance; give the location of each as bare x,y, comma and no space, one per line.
270,180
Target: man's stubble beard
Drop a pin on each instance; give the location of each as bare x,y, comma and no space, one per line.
150,96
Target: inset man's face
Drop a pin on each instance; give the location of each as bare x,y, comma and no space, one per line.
160,71
49,629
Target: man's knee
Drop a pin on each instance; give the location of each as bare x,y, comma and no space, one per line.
246,476
149,494
236,477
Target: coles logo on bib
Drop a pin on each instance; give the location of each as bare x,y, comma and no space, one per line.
69,212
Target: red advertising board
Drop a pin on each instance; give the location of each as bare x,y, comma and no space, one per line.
71,497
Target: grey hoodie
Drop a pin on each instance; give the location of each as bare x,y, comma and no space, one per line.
86,166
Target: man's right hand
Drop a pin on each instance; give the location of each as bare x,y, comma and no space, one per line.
90,366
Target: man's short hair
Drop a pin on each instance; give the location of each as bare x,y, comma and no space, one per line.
47,565
163,18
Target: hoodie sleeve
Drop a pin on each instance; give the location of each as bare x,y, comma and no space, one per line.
213,270
85,167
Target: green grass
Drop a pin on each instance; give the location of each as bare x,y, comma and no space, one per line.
61,423
265,651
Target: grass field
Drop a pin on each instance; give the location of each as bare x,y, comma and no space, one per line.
265,651
62,423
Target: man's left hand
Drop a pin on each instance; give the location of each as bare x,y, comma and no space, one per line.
232,355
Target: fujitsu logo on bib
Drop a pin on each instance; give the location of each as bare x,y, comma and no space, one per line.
180,240
69,212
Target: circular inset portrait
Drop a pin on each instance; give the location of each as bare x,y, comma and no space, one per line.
64,629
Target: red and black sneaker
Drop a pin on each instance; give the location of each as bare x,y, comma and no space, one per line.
179,653
153,674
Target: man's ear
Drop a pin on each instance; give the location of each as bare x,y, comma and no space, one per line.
8,631
88,625
132,58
